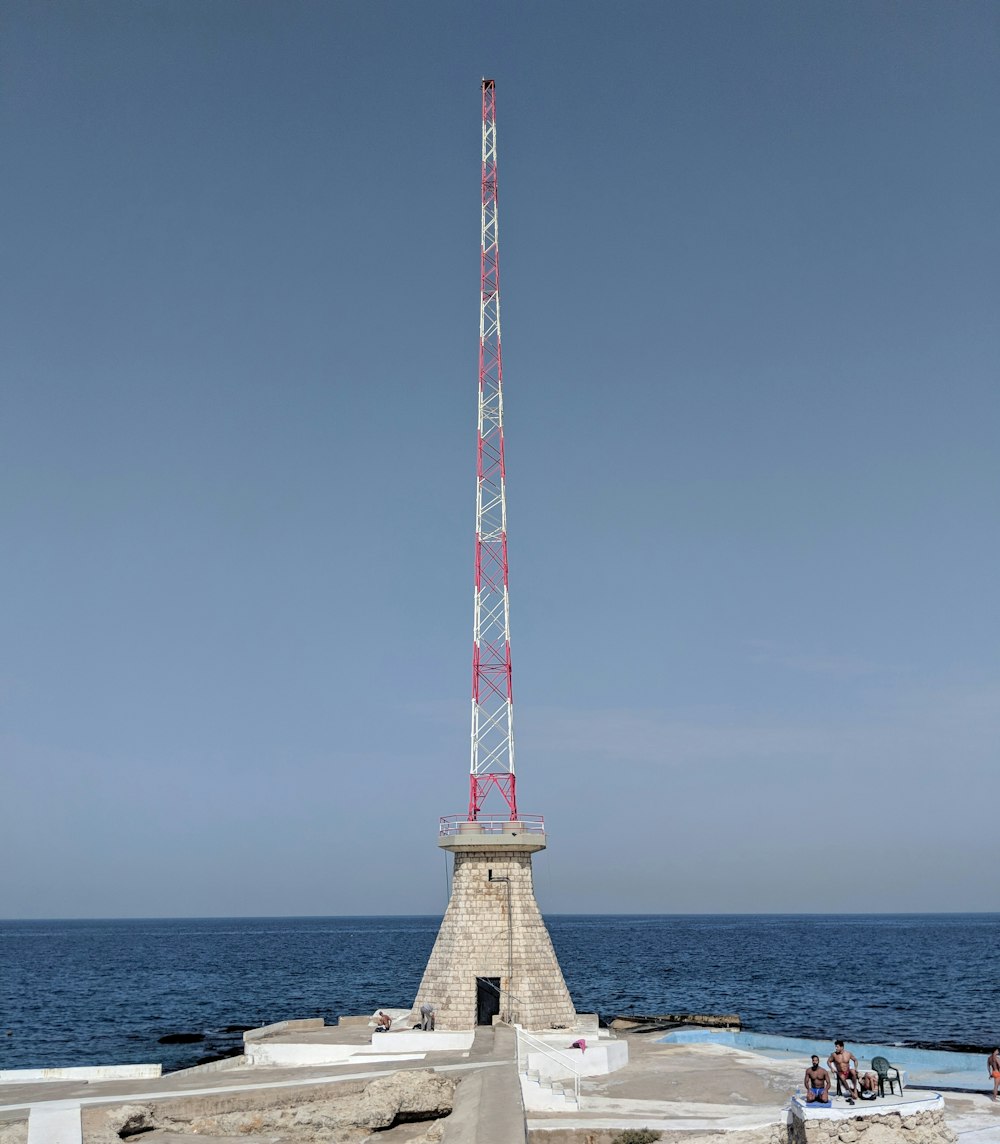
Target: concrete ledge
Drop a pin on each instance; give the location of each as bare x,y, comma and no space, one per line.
417,1041
282,1054
493,843
278,1027
237,1062
383,1047
598,1060
462,1126
304,1056
589,1025
903,1106
82,1072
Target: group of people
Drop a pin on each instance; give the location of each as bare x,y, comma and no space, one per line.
845,1067
383,1020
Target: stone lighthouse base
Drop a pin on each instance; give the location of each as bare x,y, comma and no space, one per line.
493,955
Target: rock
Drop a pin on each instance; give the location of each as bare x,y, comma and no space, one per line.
350,1115
15,1133
433,1135
131,1119
888,1132
412,1095
211,1058
631,1021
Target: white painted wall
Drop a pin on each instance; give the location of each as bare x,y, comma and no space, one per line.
83,1072
598,1060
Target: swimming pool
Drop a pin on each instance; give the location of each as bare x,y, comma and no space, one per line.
922,1067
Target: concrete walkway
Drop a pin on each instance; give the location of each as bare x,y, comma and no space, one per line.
488,1106
57,1122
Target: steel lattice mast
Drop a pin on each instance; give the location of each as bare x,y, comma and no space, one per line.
492,697
472,976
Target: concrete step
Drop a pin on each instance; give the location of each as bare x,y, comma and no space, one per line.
547,1100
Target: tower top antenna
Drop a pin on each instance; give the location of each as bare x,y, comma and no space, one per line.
492,762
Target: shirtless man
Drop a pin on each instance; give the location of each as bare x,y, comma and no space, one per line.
817,1083
993,1068
846,1065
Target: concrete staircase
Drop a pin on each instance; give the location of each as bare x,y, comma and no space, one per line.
548,1094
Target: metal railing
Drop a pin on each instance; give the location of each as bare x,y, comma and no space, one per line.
491,824
553,1054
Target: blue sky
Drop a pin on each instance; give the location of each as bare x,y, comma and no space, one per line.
750,288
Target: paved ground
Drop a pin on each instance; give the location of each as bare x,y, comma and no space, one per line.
690,1088
488,1109
699,1088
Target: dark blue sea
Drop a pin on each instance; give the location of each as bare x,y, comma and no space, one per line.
100,992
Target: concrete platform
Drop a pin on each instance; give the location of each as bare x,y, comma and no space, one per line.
290,1044
684,1091
694,1090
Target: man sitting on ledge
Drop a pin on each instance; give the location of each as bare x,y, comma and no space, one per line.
846,1064
817,1083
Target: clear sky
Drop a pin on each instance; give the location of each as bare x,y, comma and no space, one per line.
750,295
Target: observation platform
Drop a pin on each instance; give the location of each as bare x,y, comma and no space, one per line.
525,834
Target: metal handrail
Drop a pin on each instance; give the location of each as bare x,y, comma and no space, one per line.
491,824
549,1051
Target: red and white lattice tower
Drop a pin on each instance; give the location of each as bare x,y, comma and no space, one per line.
492,698
493,956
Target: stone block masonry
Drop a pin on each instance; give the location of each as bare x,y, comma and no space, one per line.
927,1127
494,929
907,1126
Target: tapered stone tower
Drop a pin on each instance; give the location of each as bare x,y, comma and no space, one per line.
493,955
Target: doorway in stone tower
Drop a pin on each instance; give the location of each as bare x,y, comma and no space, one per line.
487,999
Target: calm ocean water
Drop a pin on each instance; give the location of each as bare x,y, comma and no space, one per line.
93,992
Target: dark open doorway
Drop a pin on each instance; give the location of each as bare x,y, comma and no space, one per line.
487,999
